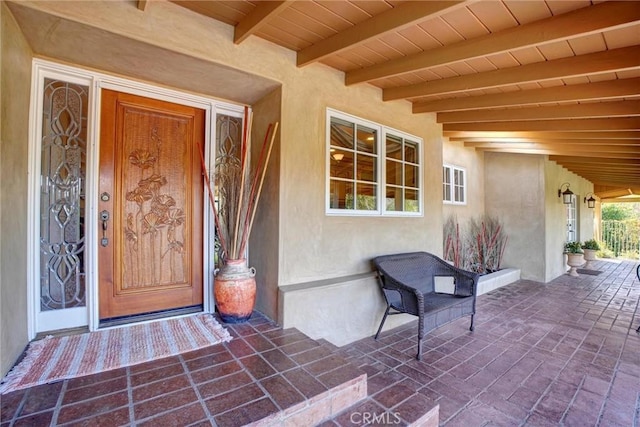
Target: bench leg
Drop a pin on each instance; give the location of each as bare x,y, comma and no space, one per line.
384,318
419,355
471,327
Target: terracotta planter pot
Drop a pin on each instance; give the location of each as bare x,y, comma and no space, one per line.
574,261
235,291
589,256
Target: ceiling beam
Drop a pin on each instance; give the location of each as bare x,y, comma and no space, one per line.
589,110
622,176
612,184
619,181
635,199
607,192
592,63
594,160
560,152
542,140
561,147
557,142
625,134
604,169
610,89
566,26
258,18
142,4
616,124
395,19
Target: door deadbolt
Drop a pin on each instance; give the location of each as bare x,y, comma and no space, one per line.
105,197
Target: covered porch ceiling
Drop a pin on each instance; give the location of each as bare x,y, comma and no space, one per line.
558,78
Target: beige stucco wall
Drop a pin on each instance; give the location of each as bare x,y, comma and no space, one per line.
456,154
555,212
523,191
264,242
294,243
305,244
306,92
15,89
317,246
514,192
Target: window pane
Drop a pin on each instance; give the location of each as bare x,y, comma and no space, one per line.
459,177
367,139
367,168
366,197
394,172
341,164
446,184
355,158
393,199
62,195
411,201
411,176
446,175
342,133
394,147
341,194
411,152
459,194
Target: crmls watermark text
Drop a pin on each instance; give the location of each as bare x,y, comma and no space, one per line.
386,418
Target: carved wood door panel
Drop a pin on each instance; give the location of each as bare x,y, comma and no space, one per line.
150,207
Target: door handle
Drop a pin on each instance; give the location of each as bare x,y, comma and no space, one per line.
104,217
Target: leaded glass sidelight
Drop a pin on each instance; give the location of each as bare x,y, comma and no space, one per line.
227,168
62,191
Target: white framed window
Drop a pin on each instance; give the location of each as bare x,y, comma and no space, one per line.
402,173
368,177
454,185
572,219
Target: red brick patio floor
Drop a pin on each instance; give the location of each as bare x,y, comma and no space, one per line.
564,353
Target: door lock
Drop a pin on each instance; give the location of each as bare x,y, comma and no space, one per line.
104,217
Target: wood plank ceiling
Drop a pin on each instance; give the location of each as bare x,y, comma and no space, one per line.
560,78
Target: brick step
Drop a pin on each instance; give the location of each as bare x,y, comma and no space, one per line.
371,412
312,382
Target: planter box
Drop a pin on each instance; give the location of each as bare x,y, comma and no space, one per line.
487,282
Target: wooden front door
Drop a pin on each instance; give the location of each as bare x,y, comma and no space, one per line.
150,205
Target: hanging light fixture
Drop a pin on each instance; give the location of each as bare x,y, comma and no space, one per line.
566,194
591,201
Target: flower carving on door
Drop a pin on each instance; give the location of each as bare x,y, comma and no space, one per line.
154,229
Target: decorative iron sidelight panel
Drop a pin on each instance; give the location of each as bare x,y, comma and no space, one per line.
228,160
62,191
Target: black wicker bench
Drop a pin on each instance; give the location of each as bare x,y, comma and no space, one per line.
408,284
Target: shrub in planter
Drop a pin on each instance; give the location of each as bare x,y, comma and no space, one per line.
573,248
591,244
575,256
590,248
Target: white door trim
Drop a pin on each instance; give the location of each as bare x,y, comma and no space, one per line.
96,81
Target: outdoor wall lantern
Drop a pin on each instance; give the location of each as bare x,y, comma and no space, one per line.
566,194
591,201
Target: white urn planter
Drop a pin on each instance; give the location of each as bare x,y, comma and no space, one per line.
574,261
589,257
